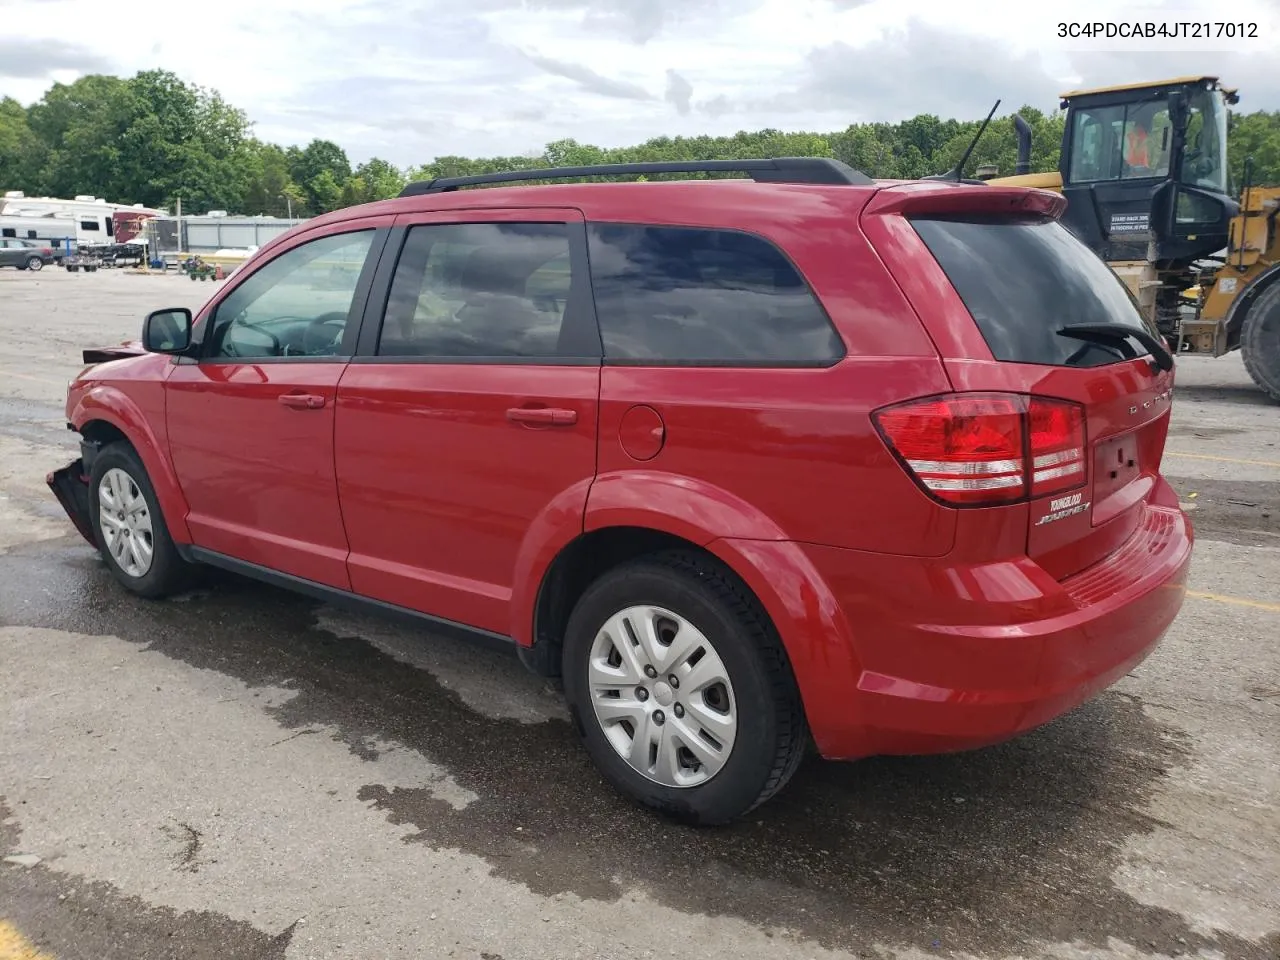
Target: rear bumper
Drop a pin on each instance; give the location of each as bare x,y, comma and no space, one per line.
958,658
70,485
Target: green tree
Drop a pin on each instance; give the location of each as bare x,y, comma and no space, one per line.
270,190
152,138
320,169
1255,136
20,148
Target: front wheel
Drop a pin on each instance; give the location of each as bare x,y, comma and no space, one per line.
129,527
681,690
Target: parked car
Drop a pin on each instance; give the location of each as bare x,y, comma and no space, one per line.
25,254
745,464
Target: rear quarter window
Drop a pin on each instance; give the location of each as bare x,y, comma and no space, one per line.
686,296
1022,281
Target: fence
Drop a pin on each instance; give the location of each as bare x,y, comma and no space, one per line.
207,234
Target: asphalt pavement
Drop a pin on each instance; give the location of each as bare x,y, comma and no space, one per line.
244,773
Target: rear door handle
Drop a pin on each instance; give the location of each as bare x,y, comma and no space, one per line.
302,401
552,416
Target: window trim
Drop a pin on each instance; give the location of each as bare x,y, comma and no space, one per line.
580,284
355,315
841,355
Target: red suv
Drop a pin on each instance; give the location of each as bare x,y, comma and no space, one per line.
746,463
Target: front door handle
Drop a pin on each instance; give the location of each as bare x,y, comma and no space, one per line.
550,416
302,401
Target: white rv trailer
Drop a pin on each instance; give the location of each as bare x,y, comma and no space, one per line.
85,219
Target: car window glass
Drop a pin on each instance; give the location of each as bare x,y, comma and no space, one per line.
479,290
1022,281
1121,142
296,305
674,294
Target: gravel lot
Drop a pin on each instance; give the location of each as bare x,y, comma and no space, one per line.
242,773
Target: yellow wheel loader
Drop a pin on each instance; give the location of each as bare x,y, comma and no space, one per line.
1144,170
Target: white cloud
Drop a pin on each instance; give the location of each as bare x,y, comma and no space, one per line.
408,80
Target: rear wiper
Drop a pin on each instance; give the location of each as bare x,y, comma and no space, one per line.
1163,359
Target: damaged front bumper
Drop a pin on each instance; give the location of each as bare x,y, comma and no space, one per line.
71,486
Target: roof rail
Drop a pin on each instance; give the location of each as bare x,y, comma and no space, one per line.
819,170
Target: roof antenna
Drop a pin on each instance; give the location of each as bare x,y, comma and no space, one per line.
957,173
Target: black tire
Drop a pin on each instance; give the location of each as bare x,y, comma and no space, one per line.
168,572
1260,341
771,734
35,263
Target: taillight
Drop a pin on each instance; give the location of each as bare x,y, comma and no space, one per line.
988,448
1056,439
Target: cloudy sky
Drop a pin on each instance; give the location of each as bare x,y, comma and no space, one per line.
408,80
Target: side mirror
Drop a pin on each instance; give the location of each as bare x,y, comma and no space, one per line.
167,331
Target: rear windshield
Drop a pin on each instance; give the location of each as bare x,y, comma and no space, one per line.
1024,280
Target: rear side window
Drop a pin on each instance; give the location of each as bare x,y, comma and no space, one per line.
677,295
1023,281
488,290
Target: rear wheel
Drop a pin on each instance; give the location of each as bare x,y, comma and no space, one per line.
681,690
1260,341
129,527
35,263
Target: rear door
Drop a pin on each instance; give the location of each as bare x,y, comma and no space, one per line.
995,291
468,417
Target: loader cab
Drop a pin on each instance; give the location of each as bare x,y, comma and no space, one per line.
1148,162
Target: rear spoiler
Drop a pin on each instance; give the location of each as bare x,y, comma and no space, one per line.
943,199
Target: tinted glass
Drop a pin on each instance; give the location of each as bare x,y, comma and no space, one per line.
1022,281
673,294
89,225
296,305
479,290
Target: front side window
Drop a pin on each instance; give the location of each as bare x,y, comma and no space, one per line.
472,290
1205,150
692,296
296,305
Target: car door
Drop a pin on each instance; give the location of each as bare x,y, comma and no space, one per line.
250,420
469,413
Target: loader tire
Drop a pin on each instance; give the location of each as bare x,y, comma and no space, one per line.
1260,341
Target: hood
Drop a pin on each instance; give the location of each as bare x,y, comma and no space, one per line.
130,348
